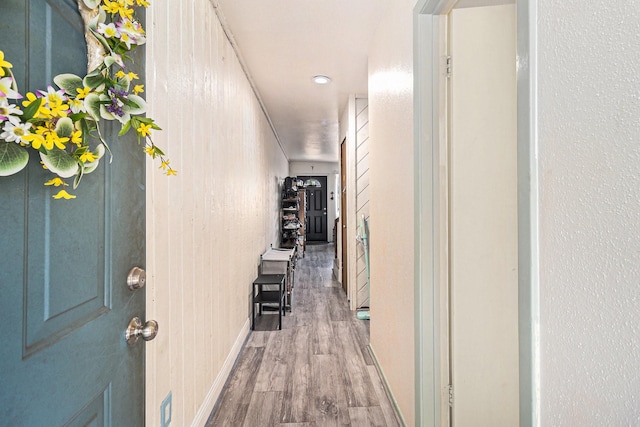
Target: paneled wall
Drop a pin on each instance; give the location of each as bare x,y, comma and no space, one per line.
362,196
207,226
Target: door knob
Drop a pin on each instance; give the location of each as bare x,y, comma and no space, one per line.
136,279
136,329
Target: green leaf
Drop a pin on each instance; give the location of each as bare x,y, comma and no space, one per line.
13,158
92,104
76,180
69,82
77,117
123,84
60,162
98,36
90,167
64,127
32,109
92,4
125,128
136,104
106,146
146,121
94,79
14,82
109,61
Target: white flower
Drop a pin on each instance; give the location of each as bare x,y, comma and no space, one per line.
6,89
77,106
108,31
9,112
13,132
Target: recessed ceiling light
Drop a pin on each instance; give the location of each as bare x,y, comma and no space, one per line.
321,80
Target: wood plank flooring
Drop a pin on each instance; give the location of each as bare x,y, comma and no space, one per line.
316,371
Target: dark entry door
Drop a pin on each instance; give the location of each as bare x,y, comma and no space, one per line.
64,300
317,211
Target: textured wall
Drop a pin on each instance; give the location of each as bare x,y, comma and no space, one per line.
391,201
207,226
589,151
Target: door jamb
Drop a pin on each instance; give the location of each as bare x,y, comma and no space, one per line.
430,244
343,221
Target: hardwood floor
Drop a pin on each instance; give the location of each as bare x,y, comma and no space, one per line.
316,371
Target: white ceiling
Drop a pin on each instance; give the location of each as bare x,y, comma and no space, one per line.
284,43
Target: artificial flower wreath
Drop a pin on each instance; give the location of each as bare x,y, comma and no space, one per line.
63,124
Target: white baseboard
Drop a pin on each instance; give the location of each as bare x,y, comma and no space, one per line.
216,388
392,398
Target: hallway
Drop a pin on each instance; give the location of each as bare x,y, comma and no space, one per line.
317,371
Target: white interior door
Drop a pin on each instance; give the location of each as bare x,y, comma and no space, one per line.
483,217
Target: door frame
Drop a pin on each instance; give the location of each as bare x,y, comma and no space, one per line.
343,214
324,180
431,243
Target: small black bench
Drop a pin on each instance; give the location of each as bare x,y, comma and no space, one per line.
269,297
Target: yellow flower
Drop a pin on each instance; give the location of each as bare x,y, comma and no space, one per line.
3,64
30,98
144,130
150,150
144,3
88,157
76,137
132,76
35,139
164,164
171,172
56,182
58,108
82,92
137,89
125,12
62,194
51,138
111,7
42,111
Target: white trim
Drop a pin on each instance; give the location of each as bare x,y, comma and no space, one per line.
351,213
216,388
429,31
528,215
387,389
428,247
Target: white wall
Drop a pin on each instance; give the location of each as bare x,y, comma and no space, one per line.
589,159
332,171
392,201
206,227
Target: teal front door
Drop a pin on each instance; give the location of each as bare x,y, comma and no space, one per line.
64,300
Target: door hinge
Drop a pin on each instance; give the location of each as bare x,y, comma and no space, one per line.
449,66
450,389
